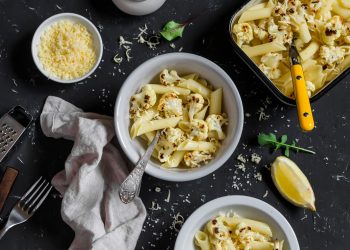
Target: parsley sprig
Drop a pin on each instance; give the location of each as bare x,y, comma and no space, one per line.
272,141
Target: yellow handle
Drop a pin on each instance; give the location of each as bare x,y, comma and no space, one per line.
306,119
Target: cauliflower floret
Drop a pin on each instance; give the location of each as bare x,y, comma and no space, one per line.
346,32
170,78
195,158
271,73
243,32
165,150
258,32
170,104
173,135
195,103
215,123
315,5
271,59
310,88
282,34
142,101
331,55
332,30
198,130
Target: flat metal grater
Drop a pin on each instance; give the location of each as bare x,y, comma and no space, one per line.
12,126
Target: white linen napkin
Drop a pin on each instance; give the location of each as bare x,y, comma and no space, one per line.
91,178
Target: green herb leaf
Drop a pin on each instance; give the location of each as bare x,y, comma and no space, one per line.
271,140
172,30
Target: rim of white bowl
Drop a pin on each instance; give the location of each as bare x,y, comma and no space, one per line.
38,32
234,200
201,172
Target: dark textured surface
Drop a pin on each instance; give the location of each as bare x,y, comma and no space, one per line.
21,83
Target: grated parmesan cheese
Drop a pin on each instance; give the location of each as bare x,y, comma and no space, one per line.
255,158
66,50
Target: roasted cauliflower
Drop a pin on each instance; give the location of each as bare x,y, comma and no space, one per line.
170,105
243,32
142,101
169,78
215,123
195,158
195,103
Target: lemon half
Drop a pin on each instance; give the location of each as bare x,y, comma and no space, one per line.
292,183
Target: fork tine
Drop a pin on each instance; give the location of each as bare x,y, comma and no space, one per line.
37,197
42,200
34,193
30,190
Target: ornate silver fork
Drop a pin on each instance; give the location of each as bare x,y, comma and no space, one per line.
28,204
131,185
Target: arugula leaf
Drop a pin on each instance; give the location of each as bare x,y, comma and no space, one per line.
271,140
172,30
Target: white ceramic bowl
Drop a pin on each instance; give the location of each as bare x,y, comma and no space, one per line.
76,19
183,63
244,206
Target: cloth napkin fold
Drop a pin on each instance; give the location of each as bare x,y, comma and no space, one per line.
91,178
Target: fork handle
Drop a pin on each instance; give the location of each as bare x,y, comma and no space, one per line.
4,230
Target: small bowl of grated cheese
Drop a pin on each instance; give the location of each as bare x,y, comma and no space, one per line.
67,48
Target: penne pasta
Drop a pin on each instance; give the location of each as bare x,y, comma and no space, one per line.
257,6
256,14
189,145
157,125
202,241
345,13
215,102
262,49
174,160
309,51
196,87
161,89
257,226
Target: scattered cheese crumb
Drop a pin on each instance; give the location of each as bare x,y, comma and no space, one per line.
177,222
241,166
248,115
266,193
172,45
255,158
262,115
241,158
258,176
168,198
157,189
118,59
123,42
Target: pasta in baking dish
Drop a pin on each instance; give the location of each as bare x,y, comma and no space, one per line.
189,114
322,30
227,232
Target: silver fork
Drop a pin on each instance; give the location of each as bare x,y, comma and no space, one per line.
28,204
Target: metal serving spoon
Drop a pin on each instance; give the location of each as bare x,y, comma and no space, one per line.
131,185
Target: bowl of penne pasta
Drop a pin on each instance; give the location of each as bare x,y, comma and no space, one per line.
262,31
236,222
192,102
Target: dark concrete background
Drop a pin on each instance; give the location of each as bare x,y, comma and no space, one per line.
21,83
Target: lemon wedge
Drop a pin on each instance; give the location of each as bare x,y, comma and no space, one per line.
292,183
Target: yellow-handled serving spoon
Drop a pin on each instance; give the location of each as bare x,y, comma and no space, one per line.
305,116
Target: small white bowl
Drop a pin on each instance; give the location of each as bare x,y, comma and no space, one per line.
244,206
76,19
184,63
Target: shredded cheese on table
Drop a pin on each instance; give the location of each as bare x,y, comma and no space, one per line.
66,50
